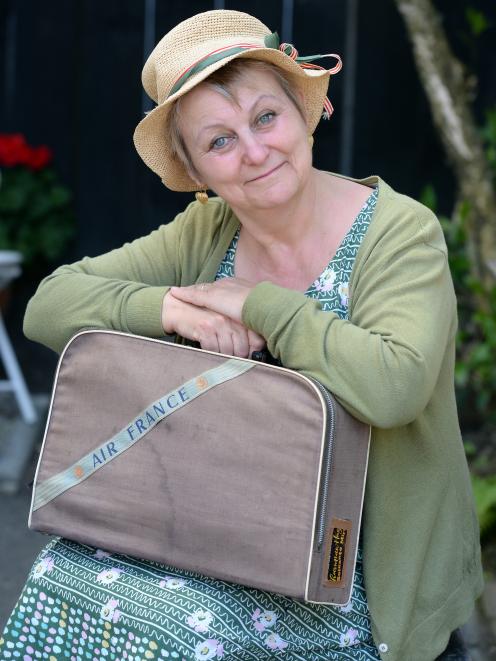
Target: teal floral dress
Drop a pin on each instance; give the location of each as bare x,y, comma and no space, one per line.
82,603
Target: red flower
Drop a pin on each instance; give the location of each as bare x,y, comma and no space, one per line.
15,151
39,158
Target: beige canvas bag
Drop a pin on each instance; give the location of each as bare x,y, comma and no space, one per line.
242,471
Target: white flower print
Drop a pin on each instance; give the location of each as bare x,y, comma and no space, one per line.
275,642
100,554
200,620
344,293
325,282
349,638
44,566
108,576
109,611
347,607
263,619
172,583
329,275
209,649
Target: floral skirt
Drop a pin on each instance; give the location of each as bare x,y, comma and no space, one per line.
84,603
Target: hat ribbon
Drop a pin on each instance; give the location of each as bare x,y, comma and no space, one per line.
270,41
305,62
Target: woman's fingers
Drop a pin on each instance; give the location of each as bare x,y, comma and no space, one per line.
226,296
227,336
231,338
241,345
244,342
205,334
255,342
213,331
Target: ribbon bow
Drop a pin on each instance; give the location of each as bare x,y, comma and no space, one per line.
305,62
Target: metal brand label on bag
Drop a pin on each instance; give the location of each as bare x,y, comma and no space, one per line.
336,552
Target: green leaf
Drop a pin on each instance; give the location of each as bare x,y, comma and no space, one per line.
470,449
485,500
477,21
428,197
12,199
461,374
59,196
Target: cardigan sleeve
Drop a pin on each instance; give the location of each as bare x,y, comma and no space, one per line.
120,290
124,289
383,363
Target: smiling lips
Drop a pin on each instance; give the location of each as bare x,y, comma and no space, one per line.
262,176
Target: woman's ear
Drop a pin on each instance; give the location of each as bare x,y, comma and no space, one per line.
191,170
196,177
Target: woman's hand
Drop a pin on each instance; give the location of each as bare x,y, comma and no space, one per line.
214,331
225,296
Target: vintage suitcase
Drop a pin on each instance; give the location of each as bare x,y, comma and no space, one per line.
242,471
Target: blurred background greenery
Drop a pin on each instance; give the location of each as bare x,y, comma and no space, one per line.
475,373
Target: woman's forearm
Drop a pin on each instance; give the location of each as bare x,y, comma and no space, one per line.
384,363
69,301
120,290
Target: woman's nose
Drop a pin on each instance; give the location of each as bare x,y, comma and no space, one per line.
255,151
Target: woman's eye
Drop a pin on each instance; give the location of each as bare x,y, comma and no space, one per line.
266,118
218,143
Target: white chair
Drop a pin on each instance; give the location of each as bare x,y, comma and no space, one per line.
10,269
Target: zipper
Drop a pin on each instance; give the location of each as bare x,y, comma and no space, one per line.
328,456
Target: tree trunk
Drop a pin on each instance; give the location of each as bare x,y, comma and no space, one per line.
446,86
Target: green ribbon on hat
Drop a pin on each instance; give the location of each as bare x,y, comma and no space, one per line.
203,64
270,41
273,41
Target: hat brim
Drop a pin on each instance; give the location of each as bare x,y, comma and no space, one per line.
151,138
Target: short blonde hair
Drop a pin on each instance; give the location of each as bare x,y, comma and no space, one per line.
223,80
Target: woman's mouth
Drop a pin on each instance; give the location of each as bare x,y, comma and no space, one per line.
266,174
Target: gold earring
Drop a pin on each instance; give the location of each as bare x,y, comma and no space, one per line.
202,196
310,141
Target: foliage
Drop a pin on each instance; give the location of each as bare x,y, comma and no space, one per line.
477,21
35,211
475,371
489,136
475,374
485,498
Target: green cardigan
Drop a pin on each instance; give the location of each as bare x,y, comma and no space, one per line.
391,365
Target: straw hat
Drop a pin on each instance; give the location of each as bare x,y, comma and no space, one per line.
192,51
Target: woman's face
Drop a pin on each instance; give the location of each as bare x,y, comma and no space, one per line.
252,151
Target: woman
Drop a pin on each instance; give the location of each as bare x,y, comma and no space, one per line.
344,280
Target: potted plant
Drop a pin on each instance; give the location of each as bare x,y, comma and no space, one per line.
36,219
